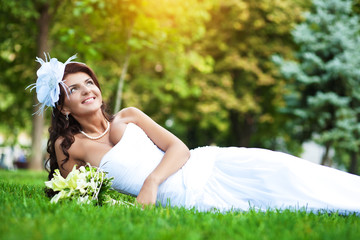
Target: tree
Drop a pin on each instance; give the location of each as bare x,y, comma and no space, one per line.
240,94
17,48
26,26
200,68
326,78
22,38
146,32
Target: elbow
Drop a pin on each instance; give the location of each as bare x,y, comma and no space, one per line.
181,150
186,151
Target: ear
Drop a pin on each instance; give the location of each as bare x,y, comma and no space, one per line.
64,110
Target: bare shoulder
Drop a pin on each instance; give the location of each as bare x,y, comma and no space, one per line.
76,144
159,135
129,114
58,148
60,156
74,153
120,121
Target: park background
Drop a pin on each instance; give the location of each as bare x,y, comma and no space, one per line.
272,74
269,73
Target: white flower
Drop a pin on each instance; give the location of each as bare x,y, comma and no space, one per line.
72,178
82,169
93,185
84,186
57,183
85,200
58,196
47,85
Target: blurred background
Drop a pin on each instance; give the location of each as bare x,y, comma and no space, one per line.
275,74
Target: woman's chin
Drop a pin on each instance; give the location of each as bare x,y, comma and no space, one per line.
89,110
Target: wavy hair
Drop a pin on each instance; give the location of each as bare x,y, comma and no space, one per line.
66,129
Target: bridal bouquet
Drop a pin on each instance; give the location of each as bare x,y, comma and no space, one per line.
85,185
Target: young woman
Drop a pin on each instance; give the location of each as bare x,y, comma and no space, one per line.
152,164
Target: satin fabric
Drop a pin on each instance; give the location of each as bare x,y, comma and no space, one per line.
232,178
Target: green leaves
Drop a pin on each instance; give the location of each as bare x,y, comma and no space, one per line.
326,75
205,66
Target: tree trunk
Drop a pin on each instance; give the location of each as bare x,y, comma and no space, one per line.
354,164
36,162
118,97
121,84
326,158
241,129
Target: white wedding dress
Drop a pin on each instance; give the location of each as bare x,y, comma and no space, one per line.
232,178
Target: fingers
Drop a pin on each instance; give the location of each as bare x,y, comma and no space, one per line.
144,204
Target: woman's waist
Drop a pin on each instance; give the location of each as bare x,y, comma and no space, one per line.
173,190
129,174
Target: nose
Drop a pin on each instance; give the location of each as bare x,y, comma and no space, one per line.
85,90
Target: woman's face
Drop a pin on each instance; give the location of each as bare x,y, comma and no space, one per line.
84,96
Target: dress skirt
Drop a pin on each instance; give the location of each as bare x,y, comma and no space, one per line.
245,178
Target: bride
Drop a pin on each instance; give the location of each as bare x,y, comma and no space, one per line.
152,164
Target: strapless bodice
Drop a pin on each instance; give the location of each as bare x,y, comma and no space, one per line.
132,159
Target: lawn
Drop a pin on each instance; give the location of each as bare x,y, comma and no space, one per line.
25,213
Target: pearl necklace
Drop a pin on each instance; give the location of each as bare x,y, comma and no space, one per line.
101,135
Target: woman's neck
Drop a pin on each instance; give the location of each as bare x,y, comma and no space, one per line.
93,124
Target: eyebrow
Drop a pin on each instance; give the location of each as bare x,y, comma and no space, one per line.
78,84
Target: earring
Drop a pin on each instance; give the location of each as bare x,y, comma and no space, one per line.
67,116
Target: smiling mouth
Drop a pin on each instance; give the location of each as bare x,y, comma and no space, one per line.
88,100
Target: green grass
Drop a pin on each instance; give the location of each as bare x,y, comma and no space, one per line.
25,213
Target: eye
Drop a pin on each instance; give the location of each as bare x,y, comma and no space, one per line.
90,82
72,90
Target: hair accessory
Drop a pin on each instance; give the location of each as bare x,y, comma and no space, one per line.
50,76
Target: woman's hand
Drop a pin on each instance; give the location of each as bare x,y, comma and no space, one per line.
148,192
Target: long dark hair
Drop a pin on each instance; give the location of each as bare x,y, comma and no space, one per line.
61,127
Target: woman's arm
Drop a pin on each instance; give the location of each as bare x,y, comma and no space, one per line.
65,168
176,152
60,156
